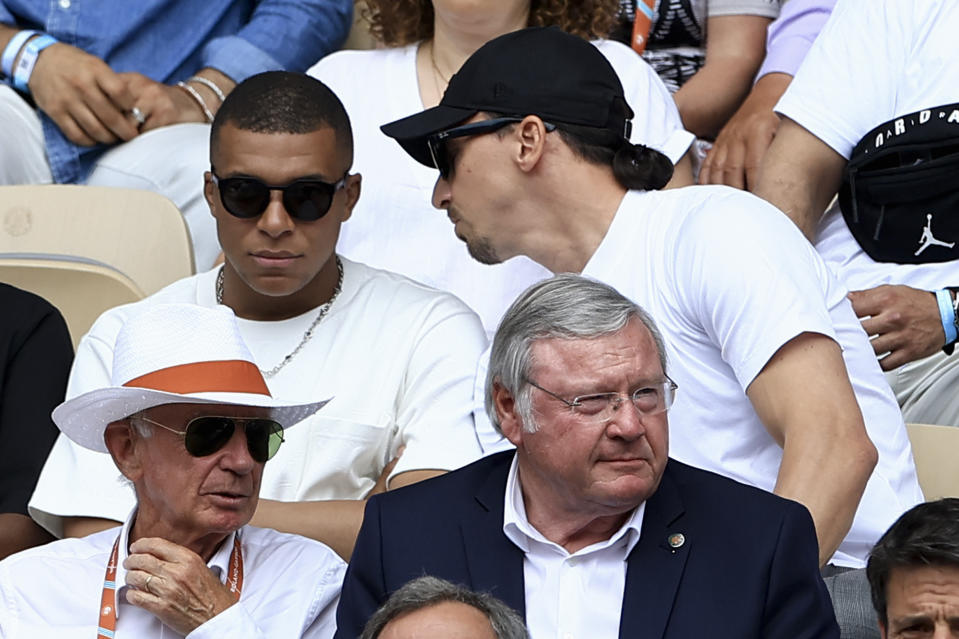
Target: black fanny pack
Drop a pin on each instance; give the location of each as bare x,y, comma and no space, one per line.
900,189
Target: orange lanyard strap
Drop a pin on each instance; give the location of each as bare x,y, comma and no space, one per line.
642,24
108,600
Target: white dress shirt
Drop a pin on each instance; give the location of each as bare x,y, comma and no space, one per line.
570,596
291,586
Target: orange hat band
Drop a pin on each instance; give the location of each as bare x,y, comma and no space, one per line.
229,376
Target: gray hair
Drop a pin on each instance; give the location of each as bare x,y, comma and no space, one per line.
427,591
925,535
566,306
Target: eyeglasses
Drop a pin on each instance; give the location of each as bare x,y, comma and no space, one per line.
437,141
652,399
246,197
207,434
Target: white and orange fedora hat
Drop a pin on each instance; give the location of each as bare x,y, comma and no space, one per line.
174,354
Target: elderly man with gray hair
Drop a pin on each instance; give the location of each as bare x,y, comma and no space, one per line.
432,608
586,528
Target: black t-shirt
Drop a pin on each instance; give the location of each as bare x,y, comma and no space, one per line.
35,358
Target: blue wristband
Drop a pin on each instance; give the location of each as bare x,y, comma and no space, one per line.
24,68
12,49
947,315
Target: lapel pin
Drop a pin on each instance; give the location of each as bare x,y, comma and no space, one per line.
676,540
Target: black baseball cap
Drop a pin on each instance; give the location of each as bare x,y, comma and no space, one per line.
539,71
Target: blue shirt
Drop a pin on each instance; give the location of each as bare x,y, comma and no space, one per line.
170,40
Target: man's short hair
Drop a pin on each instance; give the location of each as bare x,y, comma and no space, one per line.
566,306
427,591
284,102
925,535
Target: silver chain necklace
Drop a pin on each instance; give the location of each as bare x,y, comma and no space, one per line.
324,309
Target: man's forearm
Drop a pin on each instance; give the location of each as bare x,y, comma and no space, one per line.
828,476
19,532
800,176
335,522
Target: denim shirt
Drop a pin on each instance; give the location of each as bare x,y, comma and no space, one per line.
170,40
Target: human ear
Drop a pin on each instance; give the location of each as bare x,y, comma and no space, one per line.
530,135
208,189
352,190
510,423
122,444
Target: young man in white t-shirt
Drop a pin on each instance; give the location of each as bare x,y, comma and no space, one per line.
759,334
396,357
874,62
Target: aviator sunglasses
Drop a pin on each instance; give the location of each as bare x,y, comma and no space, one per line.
247,197
207,434
437,141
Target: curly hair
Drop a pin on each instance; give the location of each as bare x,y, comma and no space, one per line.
397,23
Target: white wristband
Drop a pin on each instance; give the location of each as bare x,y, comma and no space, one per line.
24,68
12,49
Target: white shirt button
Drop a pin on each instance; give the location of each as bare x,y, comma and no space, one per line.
64,4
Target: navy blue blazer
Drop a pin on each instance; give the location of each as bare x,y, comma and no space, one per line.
748,567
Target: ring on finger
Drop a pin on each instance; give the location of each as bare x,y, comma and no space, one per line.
138,115
146,584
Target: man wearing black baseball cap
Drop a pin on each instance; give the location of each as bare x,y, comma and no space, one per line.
782,390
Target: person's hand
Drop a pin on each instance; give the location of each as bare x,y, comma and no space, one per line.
737,153
84,97
175,584
161,104
905,322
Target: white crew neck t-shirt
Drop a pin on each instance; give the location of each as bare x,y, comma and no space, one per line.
394,225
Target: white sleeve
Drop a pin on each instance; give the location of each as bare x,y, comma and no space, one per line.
847,83
435,411
753,282
656,121
75,481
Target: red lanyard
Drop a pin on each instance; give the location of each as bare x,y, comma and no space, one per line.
108,600
642,24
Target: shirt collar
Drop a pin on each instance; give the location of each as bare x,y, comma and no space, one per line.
518,530
218,564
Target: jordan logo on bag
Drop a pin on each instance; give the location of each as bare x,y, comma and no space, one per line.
928,239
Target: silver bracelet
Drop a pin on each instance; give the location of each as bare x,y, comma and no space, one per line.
193,93
211,85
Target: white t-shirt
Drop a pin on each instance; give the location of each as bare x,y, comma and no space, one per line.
291,586
874,61
729,280
397,357
395,227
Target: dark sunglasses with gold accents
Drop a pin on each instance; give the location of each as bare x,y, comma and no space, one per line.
306,199
437,141
207,434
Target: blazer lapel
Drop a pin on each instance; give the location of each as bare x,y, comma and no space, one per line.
655,566
495,564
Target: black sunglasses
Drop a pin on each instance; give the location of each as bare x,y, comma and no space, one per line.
247,197
437,141
207,434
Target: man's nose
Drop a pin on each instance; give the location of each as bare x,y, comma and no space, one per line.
235,455
441,193
275,220
626,422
